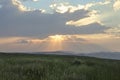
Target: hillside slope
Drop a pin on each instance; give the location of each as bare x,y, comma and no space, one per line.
54,67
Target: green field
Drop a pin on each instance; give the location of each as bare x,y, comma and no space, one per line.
56,67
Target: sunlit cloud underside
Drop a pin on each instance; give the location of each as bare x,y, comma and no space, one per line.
60,25
76,43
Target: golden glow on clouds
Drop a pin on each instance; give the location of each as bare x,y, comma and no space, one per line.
55,43
57,38
116,5
59,42
15,40
114,30
19,5
93,18
8,40
82,22
95,36
93,15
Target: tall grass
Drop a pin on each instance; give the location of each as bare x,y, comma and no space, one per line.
53,67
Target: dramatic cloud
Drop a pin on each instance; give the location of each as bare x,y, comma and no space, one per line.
42,25
34,23
77,43
92,18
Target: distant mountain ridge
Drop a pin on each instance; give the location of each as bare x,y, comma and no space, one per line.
105,55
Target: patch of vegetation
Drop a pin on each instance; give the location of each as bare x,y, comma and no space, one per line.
54,67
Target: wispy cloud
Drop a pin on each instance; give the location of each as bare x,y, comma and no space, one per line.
22,7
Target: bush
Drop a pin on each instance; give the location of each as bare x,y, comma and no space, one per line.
77,62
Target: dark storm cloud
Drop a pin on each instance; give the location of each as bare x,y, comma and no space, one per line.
17,23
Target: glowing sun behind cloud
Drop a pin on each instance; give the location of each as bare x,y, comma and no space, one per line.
57,38
55,42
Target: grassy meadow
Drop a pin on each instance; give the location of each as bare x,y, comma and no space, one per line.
57,67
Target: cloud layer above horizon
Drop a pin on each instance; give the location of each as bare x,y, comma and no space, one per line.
42,25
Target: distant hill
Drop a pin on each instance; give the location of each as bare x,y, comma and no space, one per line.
42,66
106,55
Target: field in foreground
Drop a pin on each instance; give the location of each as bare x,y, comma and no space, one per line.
56,67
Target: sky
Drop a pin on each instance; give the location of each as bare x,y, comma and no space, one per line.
82,26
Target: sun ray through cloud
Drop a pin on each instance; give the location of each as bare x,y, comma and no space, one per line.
59,25
55,43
